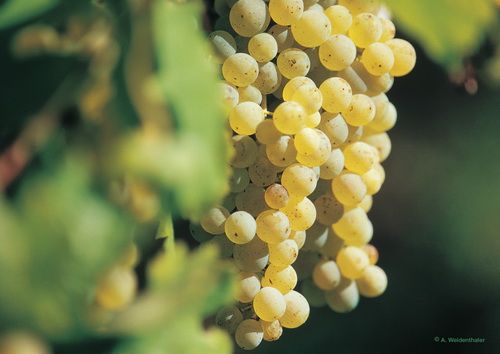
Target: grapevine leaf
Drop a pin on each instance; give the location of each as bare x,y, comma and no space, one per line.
17,11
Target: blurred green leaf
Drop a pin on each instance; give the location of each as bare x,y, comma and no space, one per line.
447,29
16,11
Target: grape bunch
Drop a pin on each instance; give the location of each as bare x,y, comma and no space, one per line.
304,87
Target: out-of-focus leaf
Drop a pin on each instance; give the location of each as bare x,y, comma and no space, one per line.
16,11
446,29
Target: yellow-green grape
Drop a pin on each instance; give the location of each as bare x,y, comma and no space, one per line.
337,94
328,209
251,200
252,256
20,342
249,17
292,85
266,132
283,36
360,157
332,245
333,166
313,120
377,58
373,282
272,330
283,253
316,237
360,112
318,157
366,203
245,117
352,261
273,226
117,288
312,53
248,334
348,188
314,295
301,213
276,196
366,29
355,134
388,30
240,227
305,263
281,152
340,18
222,243
405,56
297,310
299,180
335,128
239,180
315,7
262,173
240,69
373,181
282,278
223,44
289,117
269,304
293,62
352,77
214,219
248,285
250,94
372,253
306,141
230,96
337,52
354,227
326,275
299,237
381,142
358,6
263,47
245,151
269,78
198,233
310,97
344,298
312,29
385,117
375,85
228,318
286,12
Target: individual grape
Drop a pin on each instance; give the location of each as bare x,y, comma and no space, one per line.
240,69
223,44
223,244
312,29
305,263
352,77
273,226
266,132
252,256
318,157
263,47
214,219
281,152
310,97
245,151
301,214
250,94
354,227
289,117
269,78
251,200
373,282
352,261
116,289
385,117
297,310
249,17
328,209
405,56
359,6
366,203
315,7
340,18
348,188
240,227
316,237
388,30
377,58
337,52
230,96
249,334
333,166
299,237
283,253
282,278
228,318
239,180
360,157
269,304
245,117
332,245
293,62
276,196
292,85
375,85
344,298
262,173
313,120
372,253
366,29
299,180
248,285
373,181
314,295
20,342
337,94
198,233
360,112
335,128
381,142
286,12
272,330
326,275
283,36
306,141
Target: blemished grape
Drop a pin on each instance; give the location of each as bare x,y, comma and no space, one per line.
348,188
366,29
328,209
360,111
250,94
297,310
228,318
269,78
378,58
354,227
245,117
344,298
337,52
293,62
301,214
276,196
352,261
249,334
240,227
405,56
284,253
320,155
262,173
309,97
337,94
292,85
249,17
388,30
299,180
240,69
269,304
326,275
248,285
373,282
273,226
285,12
312,29
360,157
263,47
281,152
245,151
251,200
289,117
282,278
272,330
340,18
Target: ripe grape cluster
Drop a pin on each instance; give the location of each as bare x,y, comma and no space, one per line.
304,86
